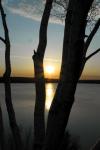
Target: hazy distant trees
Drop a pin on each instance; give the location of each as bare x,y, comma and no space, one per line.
6,77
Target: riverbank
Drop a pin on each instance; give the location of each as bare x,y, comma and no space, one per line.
32,80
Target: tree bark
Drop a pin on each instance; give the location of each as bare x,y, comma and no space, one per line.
39,118
70,72
6,76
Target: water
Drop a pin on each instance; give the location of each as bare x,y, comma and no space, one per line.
84,119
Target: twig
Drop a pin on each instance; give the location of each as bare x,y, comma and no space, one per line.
93,32
2,39
88,57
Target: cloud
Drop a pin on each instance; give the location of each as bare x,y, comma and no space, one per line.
32,9
28,8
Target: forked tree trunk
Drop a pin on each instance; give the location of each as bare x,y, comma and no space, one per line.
8,99
39,118
70,72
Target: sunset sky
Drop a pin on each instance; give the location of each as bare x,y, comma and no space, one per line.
23,18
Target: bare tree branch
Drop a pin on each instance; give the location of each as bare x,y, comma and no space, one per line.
88,57
60,4
93,32
2,39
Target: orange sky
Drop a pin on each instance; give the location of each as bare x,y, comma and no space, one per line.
24,37
27,70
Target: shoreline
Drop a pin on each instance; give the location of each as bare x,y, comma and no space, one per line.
32,80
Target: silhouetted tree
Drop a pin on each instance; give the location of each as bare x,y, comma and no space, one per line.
39,126
8,99
73,58
39,119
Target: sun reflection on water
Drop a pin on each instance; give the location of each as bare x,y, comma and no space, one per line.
49,95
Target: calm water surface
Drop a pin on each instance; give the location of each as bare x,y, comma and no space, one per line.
84,121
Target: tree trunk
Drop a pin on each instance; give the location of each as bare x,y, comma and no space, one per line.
70,71
11,114
8,99
39,118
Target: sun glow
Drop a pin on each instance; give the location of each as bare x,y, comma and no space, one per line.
49,95
49,69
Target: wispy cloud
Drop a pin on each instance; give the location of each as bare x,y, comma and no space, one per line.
32,9
28,58
27,8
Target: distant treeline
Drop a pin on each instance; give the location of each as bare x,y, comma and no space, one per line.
32,80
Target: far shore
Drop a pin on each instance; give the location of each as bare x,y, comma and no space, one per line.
32,80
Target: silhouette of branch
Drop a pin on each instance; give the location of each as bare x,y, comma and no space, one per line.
61,4
86,36
88,57
93,32
2,39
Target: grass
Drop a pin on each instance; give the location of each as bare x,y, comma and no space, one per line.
68,142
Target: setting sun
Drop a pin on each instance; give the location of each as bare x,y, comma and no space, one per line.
49,69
